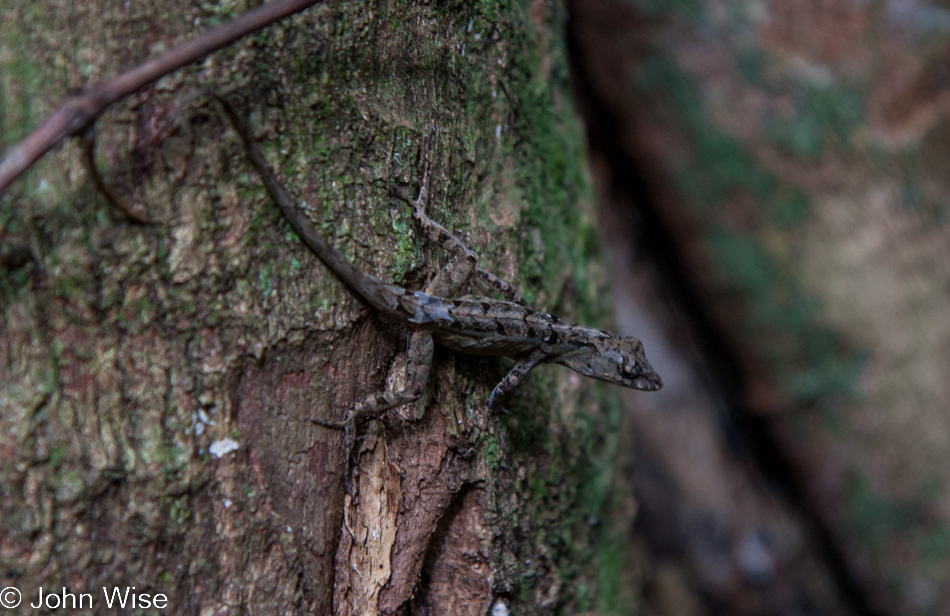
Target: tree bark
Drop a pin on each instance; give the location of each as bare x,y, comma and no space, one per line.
158,382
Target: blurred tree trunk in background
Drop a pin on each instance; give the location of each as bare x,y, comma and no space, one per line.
790,158
158,381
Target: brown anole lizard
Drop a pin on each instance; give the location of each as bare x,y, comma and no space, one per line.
471,324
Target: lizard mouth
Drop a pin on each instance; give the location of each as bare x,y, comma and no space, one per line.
647,379
650,382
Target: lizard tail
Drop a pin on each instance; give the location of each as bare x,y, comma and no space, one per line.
388,299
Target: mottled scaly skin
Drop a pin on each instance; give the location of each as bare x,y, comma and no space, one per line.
485,326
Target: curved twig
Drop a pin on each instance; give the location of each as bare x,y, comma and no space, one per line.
79,111
88,141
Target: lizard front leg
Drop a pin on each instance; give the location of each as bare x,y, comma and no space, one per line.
418,363
516,374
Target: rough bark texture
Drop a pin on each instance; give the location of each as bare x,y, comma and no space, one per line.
157,382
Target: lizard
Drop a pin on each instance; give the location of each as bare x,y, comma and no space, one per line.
478,325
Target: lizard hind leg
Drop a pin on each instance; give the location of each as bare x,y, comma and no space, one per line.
505,288
463,263
448,281
419,361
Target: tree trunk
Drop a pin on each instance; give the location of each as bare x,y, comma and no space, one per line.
158,381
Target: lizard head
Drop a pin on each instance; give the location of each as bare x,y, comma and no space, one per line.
615,360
